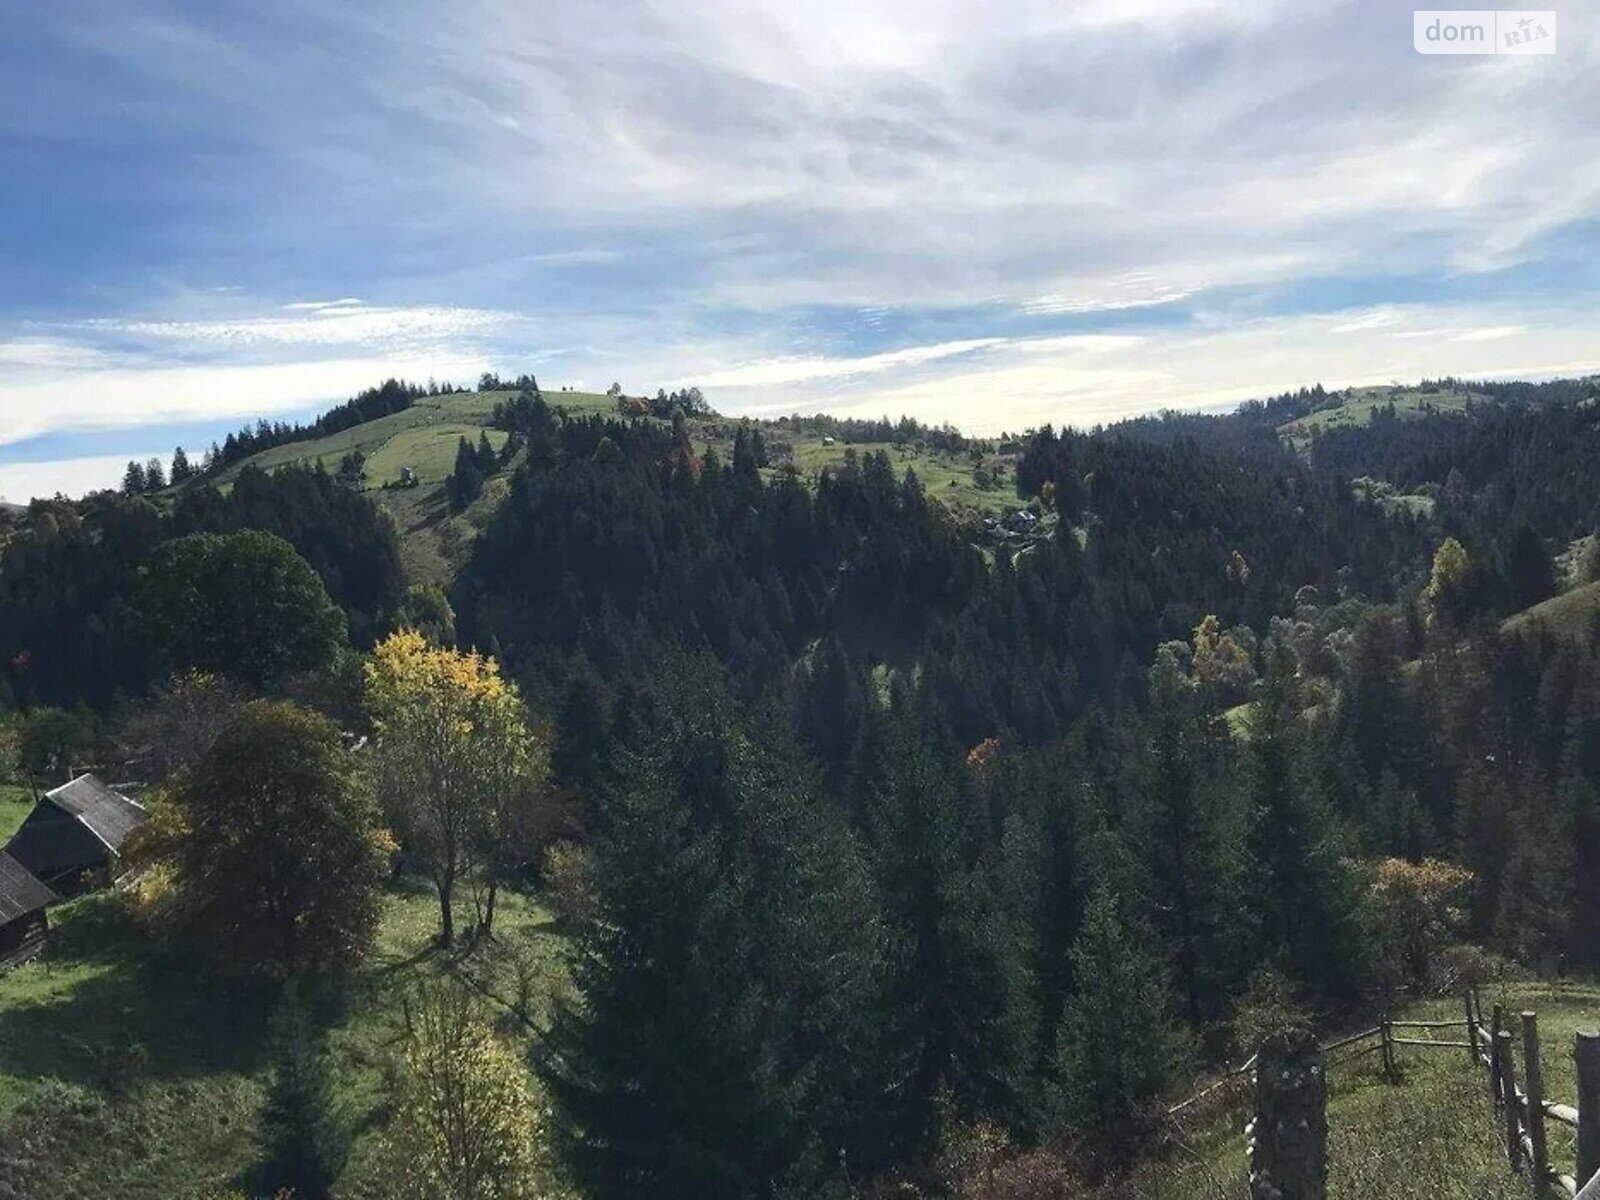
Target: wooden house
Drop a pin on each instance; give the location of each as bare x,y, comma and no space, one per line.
75,833
23,900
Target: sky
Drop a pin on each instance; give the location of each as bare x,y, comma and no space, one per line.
999,214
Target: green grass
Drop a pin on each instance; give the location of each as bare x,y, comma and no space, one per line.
125,1074
435,543
948,478
1569,616
15,805
1431,1135
1357,406
422,437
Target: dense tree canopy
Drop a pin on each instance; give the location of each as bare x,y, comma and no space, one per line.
238,604
267,854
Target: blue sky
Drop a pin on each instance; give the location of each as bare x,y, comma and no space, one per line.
999,214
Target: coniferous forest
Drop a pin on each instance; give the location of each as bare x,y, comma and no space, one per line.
866,831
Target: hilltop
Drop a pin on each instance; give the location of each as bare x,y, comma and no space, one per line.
409,457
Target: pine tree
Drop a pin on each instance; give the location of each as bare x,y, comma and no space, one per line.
182,469
1304,895
1530,571
582,742
133,480
962,991
724,1042
155,476
305,1139
1187,829
831,711
1116,1046
466,483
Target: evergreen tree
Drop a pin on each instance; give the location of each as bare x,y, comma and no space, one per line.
1530,571
1305,896
724,1043
134,480
155,476
182,469
1116,1047
466,482
583,744
306,1144
961,991
831,711
1187,828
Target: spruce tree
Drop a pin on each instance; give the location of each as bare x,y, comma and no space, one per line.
962,992
1186,827
1305,896
724,1044
306,1144
1116,1046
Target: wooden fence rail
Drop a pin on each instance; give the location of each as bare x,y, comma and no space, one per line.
1522,1105
1525,1108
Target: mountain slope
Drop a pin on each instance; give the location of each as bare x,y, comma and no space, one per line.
423,439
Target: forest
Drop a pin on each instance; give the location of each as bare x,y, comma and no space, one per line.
867,835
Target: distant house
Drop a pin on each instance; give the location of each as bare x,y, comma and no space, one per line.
77,829
1021,521
23,900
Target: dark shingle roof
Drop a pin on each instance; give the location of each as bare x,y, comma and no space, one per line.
109,815
20,892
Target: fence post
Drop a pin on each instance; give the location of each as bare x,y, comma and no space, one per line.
1534,1070
1496,1021
1289,1136
1472,1030
1386,1035
1587,1050
1508,1096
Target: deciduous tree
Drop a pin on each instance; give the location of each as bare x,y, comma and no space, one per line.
267,855
458,767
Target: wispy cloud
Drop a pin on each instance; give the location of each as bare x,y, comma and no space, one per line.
340,323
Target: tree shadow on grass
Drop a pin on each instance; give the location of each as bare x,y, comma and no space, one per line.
124,1012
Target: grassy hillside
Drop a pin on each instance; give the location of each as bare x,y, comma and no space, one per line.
1356,406
122,1074
424,439
1431,1135
15,804
952,479
1570,615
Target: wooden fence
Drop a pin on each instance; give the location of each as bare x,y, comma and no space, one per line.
1524,1106
1520,1103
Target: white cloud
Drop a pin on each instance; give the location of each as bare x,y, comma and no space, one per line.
21,482
337,323
1023,382
775,371
132,397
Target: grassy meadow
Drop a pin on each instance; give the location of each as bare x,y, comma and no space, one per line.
15,804
434,541
1357,406
1571,615
1433,1134
125,1074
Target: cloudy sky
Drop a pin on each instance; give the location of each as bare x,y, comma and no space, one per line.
1001,213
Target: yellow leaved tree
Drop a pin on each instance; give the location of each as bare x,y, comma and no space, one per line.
461,774
466,1122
